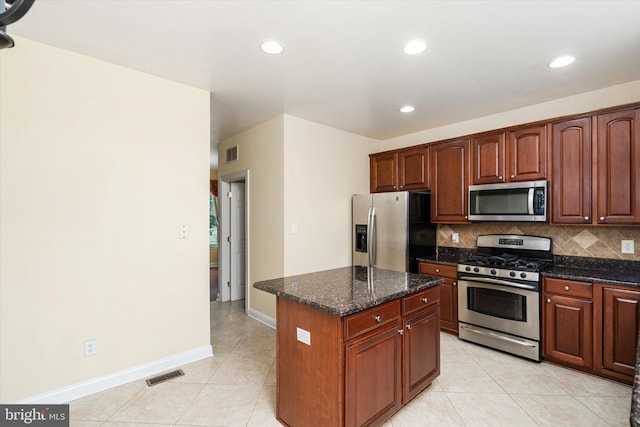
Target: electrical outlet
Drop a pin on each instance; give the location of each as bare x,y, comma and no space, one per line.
90,348
627,247
184,232
455,238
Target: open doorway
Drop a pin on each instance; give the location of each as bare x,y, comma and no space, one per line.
233,237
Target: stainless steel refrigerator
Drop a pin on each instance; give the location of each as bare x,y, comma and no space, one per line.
391,230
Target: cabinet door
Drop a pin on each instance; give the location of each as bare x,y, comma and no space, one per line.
620,326
487,159
571,172
383,172
373,384
421,352
449,182
413,168
618,162
568,330
448,293
527,154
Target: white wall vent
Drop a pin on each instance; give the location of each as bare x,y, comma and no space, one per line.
232,154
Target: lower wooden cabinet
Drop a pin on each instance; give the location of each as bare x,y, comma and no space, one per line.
363,367
593,327
448,293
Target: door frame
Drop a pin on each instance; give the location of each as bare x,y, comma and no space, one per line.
224,246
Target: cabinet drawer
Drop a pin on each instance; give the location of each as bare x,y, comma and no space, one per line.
568,287
438,270
420,300
371,319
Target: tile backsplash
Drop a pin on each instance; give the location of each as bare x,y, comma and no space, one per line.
591,242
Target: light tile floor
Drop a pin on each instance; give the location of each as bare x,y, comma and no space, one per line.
477,387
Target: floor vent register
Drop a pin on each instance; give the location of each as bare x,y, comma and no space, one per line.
164,377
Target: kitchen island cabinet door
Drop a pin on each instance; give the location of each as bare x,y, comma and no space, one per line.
571,172
449,182
383,172
373,387
568,330
421,352
618,163
620,326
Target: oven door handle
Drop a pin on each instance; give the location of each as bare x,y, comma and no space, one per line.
499,337
498,282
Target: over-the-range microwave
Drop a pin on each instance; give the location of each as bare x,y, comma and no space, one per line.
514,201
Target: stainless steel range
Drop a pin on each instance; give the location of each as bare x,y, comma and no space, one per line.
499,293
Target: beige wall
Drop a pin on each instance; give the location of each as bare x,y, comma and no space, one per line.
589,101
324,167
261,153
89,218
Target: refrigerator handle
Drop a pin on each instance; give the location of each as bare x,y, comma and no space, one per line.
372,243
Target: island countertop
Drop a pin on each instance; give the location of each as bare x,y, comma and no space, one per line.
347,290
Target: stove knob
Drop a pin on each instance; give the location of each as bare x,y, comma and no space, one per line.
476,269
512,274
523,275
493,271
467,268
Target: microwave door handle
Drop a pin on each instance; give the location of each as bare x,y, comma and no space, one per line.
530,200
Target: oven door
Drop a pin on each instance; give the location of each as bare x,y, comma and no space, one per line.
499,307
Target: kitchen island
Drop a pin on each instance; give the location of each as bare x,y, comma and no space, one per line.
354,344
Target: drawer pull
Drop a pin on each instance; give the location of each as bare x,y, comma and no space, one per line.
437,270
401,331
425,300
408,327
378,318
566,288
548,300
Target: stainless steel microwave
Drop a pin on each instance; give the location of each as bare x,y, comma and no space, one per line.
514,201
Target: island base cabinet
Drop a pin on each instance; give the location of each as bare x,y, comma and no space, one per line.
421,363
373,382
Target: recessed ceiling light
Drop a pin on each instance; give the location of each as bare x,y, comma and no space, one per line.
408,109
272,47
415,47
562,61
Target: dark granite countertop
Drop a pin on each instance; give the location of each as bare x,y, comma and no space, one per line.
347,290
448,255
596,270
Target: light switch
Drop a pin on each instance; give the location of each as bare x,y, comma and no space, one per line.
303,336
628,247
294,228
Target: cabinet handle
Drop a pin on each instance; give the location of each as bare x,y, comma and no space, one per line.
512,176
378,318
586,218
455,283
500,177
408,327
425,300
401,331
437,270
601,218
566,288
548,300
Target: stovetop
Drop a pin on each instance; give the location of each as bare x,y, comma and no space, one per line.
508,261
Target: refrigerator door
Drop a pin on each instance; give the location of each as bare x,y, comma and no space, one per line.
390,230
361,211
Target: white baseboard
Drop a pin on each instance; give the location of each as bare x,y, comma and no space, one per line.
262,318
95,385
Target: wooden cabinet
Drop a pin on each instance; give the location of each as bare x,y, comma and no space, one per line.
363,367
413,168
617,342
568,322
449,181
448,293
571,171
618,167
597,181
518,155
383,172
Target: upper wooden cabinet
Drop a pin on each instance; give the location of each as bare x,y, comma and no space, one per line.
449,181
571,172
618,167
596,181
383,171
413,168
518,155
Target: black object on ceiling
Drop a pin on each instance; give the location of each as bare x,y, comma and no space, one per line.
11,12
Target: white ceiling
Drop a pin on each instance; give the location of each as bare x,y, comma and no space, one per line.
343,63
